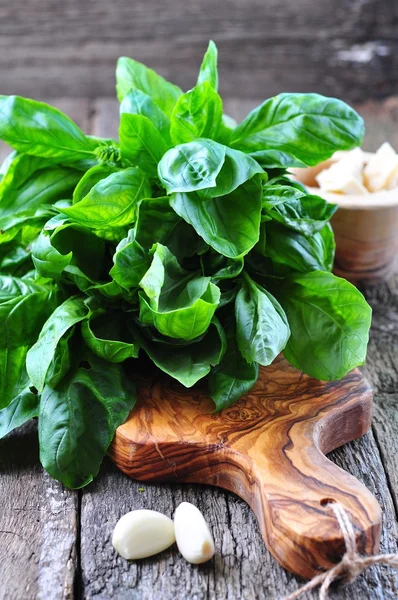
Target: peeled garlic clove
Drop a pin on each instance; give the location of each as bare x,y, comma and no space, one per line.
193,536
142,533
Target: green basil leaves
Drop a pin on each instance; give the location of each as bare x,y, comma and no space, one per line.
307,128
40,130
185,245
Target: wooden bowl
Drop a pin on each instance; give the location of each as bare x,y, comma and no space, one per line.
365,228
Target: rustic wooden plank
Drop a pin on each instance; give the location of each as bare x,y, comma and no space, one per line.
347,49
38,518
385,427
382,371
38,525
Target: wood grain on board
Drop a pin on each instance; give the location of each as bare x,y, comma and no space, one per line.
242,569
341,48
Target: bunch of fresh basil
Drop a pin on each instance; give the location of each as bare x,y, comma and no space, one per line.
185,242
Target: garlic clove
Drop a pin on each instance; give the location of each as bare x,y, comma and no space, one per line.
142,533
193,536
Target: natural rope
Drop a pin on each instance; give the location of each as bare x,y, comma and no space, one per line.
351,565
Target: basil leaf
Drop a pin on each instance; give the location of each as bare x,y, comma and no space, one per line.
276,159
294,251
329,321
197,114
229,224
61,360
105,336
192,166
21,409
112,234
48,261
13,377
39,129
68,244
187,364
218,267
15,259
13,287
41,354
131,74
91,178
112,201
141,143
17,169
157,221
33,200
22,317
262,329
24,306
233,376
208,69
236,170
131,262
306,127
224,133
178,303
109,290
138,103
71,447
6,164
74,275
297,210
278,193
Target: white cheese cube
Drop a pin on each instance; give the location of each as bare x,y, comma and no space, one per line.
345,175
392,182
381,172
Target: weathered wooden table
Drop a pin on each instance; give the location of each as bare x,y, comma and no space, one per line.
56,544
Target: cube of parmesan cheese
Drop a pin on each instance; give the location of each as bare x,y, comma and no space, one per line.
381,172
345,175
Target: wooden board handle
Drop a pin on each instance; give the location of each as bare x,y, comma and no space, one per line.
293,507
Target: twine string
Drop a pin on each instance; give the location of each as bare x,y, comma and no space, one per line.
351,565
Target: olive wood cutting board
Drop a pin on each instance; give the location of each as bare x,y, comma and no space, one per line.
269,449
